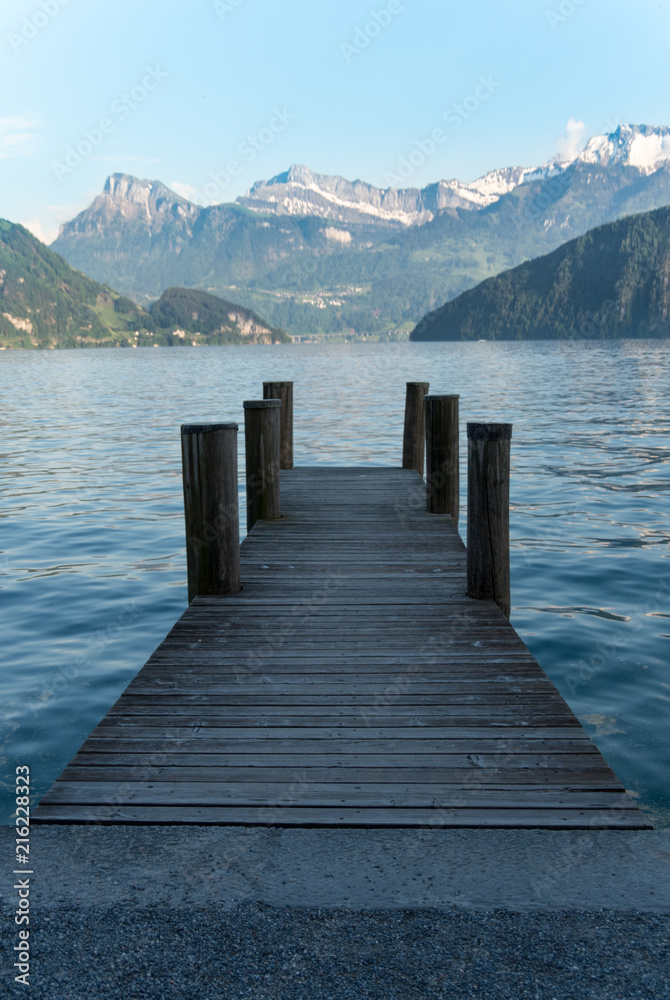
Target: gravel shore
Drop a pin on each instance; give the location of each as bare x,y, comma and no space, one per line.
258,952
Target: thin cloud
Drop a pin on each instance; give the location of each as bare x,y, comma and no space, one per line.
185,190
572,142
47,227
35,227
17,137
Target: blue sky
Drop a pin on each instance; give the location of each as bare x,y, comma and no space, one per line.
179,91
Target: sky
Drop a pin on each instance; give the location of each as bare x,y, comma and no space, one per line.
209,96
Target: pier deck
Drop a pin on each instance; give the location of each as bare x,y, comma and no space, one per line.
350,683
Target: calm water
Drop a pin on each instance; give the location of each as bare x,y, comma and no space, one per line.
92,562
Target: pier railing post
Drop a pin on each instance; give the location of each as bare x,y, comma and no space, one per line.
488,513
283,391
261,441
211,508
442,466
414,437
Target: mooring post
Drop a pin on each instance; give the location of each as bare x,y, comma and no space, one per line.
488,513
414,437
283,391
211,508
442,490
261,440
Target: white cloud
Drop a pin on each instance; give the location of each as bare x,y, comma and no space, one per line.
35,227
572,142
47,227
17,137
185,190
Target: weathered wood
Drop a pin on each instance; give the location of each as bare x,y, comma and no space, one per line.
209,462
442,465
366,677
306,816
414,436
206,767
283,391
115,766
262,439
150,746
488,514
369,795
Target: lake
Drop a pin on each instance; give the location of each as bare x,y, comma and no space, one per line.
92,551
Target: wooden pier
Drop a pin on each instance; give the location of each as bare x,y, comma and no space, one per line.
350,682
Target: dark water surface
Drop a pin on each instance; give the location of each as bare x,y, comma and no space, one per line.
92,560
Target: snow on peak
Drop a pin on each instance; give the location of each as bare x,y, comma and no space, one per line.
649,152
645,147
301,191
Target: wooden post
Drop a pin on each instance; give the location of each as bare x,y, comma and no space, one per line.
261,439
283,391
209,464
414,438
442,489
488,513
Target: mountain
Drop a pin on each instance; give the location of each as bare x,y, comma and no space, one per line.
322,254
645,147
300,191
44,302
612,282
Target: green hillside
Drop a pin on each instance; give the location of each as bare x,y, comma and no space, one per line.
216,320
611,282
45,303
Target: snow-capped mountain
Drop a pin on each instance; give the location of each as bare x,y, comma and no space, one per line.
646,147
301,191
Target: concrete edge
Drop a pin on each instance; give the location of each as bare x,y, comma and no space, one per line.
350,869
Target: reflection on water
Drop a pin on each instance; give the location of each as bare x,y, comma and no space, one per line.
92,566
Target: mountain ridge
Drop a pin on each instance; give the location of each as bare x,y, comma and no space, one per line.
312,273
301,191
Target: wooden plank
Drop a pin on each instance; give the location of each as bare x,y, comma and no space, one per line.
461,715
454,690
314,741
550,819
205,767
381,795
423,743
508,738
503,706
422,737
221,715
244,757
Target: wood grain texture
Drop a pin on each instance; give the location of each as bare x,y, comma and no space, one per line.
283,391
262,423
211,509
414,433
488,568
351,682
442,456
